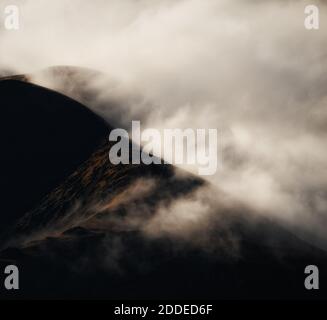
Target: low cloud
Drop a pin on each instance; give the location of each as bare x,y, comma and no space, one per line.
248,68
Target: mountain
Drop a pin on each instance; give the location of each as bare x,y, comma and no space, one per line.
44,137
77,225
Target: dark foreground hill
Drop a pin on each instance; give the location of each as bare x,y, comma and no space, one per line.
44,136
78,226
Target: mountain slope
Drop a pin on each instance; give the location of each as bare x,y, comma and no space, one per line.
44,136
74,223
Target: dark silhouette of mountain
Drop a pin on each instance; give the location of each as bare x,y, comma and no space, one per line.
44,137
74,223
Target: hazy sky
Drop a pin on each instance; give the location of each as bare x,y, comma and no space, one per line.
248,68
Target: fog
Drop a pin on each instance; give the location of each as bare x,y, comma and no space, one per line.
248,68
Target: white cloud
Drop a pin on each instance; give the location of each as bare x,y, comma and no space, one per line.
248,68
